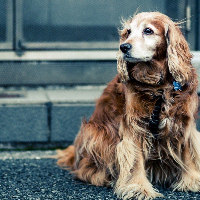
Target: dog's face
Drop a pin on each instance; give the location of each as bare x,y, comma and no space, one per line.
143,38
152,45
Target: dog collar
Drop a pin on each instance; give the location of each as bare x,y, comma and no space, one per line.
177,86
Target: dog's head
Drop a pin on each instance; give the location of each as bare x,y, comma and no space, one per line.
150,45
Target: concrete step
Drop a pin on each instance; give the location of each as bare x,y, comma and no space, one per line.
46,116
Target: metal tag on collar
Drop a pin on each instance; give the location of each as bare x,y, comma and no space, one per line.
177,86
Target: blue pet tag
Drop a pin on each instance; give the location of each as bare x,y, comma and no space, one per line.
177,86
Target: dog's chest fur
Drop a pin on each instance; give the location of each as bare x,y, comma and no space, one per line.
140,105
173,119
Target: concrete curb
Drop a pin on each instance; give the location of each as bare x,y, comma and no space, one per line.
13,155
44,116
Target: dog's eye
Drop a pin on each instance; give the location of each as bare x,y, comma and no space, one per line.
148,31
129,31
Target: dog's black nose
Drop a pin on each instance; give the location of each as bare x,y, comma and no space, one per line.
125,47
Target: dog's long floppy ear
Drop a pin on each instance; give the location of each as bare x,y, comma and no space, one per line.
178,53
122,68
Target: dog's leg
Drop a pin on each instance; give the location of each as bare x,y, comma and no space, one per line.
132,180
88,172
190,178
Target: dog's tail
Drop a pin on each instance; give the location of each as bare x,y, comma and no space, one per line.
66,157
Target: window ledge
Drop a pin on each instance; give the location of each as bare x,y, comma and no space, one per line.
57,55
93,55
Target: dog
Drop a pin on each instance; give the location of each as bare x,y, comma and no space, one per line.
143,132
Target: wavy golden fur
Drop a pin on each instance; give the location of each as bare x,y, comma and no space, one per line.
116,147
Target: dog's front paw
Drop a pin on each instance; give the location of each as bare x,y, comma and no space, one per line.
188,182
138,191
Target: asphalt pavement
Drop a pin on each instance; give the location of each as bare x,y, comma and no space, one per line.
31,175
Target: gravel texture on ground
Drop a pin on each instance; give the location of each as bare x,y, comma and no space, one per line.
31,175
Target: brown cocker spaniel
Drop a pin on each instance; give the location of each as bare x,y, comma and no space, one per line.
143,129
